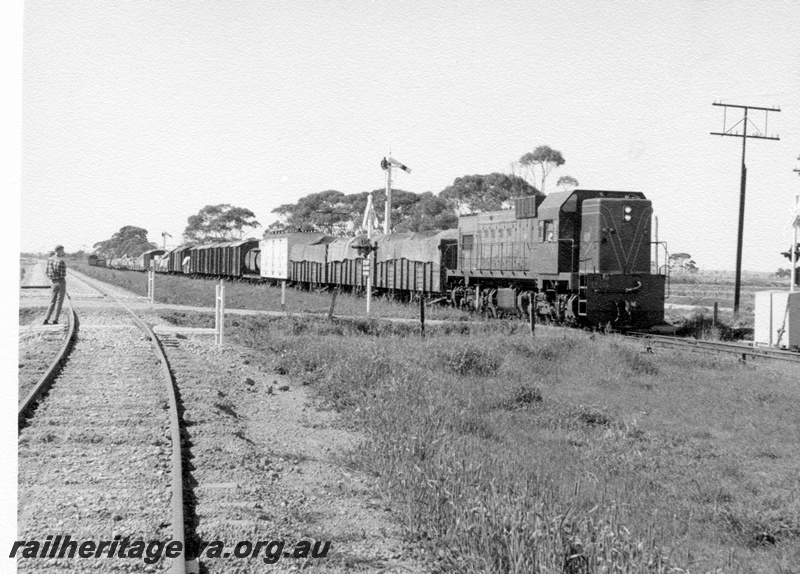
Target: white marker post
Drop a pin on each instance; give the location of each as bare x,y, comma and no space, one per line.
219,314
387,164
370,219
151,281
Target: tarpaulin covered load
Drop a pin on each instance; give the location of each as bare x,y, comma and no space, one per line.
313,250
341,248
417,246
412,261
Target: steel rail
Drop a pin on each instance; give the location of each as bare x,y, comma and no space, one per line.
742,349
46,381
178,530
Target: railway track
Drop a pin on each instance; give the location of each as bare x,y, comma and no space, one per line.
46,350
99,455
744,351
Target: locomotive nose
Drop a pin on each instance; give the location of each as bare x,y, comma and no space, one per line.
616,235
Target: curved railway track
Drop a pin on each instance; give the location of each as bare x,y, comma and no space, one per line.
106,396
40,388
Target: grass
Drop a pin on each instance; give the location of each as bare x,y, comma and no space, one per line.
180,290
562,454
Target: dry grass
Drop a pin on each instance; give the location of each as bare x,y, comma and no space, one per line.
566,454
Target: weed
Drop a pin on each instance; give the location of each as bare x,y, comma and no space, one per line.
227,409
470,360
592,416
522,396
638,362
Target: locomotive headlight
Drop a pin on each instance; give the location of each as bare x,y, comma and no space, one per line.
627,211
627,217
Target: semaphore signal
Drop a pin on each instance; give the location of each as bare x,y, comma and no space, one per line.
386,164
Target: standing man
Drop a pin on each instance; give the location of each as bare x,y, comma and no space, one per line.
57,272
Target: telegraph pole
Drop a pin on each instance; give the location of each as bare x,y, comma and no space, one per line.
744,135
793,249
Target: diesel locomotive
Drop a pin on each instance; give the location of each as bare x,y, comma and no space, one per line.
580,257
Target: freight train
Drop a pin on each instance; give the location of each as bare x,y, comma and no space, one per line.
580,257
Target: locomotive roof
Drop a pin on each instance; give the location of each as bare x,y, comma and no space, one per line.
552,204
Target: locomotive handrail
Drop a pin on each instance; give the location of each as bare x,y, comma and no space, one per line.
584,259
668,275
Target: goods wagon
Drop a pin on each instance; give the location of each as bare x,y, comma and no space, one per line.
345,266
412,262
142,263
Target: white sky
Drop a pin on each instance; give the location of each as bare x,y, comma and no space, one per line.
141,113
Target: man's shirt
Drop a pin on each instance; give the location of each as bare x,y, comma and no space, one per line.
56,268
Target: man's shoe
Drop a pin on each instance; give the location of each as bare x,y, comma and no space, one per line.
54,323
45,323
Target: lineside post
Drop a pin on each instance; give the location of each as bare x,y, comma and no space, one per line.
219,314
532,319
422,315
283,295
716,312
151,282
333,304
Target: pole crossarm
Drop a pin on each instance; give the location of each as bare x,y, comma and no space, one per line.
746,136
772,109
